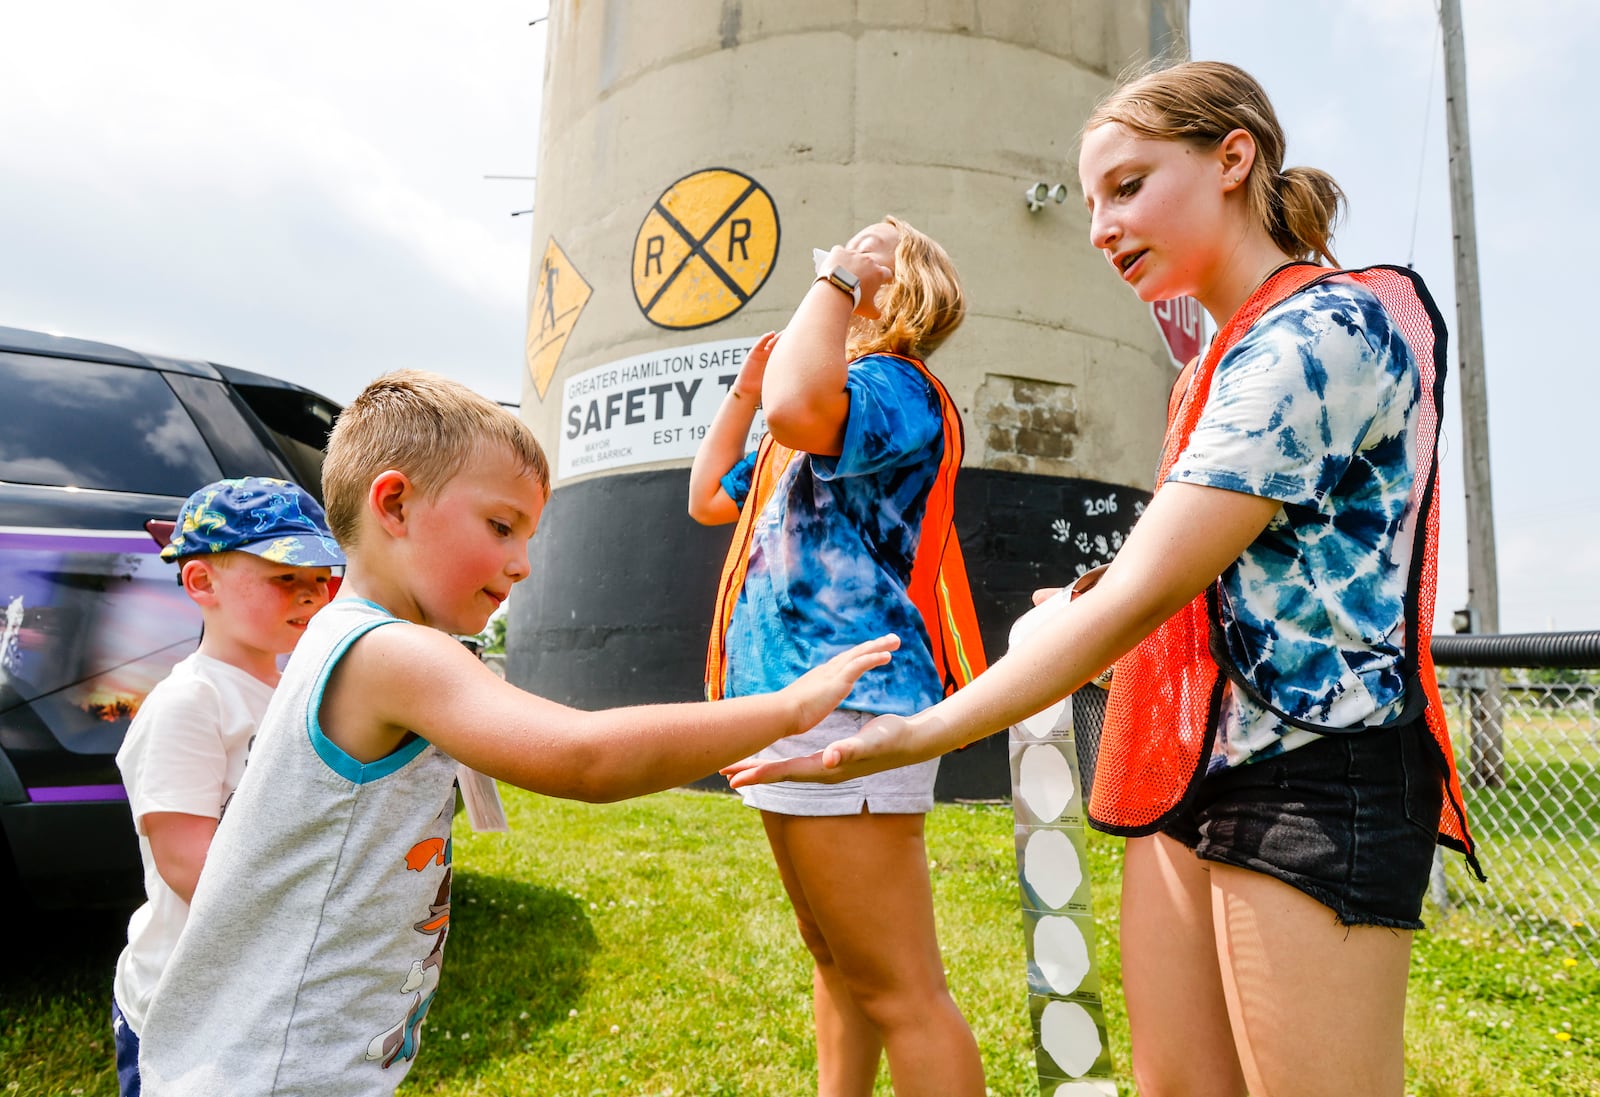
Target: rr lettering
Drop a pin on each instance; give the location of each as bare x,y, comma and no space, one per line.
654,248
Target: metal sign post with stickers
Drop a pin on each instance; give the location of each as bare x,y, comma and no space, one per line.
1069,1024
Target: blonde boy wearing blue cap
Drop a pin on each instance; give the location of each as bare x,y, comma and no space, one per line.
256,556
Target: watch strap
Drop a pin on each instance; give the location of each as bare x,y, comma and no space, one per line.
831,277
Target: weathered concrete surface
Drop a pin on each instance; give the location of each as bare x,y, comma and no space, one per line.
941,111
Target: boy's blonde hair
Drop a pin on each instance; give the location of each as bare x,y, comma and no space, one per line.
424,425
920,308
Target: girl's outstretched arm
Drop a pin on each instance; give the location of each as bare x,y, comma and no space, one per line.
723,445
1185,539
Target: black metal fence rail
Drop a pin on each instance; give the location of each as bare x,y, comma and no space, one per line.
1535,650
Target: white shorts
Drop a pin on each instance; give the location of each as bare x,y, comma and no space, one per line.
904,791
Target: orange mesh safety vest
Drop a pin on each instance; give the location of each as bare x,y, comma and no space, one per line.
938,585
1161,716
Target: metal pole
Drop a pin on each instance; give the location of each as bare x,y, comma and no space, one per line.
1483,585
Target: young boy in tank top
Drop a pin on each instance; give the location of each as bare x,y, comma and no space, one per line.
315,939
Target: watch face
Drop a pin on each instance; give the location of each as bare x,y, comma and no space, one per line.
843,277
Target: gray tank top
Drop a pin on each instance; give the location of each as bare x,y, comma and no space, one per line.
314,942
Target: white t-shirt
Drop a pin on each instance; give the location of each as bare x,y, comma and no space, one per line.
185,752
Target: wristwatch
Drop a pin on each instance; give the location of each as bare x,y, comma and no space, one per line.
844,280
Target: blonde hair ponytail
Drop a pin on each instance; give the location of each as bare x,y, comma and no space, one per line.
1305,205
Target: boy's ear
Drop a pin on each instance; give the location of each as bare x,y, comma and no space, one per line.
389,501
199,582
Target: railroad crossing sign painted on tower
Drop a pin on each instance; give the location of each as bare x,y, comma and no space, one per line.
558,297
704,249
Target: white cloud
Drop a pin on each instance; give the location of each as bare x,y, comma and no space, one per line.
292,168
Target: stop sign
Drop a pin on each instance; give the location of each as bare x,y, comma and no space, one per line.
1180,322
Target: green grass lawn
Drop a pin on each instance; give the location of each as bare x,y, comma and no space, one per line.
647,949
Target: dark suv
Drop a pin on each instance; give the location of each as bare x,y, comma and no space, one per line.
96,440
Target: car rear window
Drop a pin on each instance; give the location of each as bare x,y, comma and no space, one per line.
299,423
67,423
237,446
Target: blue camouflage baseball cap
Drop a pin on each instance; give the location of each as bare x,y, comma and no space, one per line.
273,519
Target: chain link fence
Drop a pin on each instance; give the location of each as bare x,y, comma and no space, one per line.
1525,714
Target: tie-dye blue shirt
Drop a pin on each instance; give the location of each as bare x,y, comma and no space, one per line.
1316,407
831,554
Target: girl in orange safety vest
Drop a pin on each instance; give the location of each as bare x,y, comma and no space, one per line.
1274,746
844,533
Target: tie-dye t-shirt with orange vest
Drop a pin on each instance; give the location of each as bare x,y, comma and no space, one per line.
1316,407
831,554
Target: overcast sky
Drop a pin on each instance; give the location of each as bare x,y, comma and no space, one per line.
298,188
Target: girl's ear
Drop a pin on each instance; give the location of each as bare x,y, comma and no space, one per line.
1236,153
389,501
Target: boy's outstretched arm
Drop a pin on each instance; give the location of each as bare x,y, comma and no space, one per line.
405,678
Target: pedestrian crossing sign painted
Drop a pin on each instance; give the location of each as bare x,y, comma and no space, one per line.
559,294
704,249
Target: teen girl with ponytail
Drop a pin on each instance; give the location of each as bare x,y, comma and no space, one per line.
1273,746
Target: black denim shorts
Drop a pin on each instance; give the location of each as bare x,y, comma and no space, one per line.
1349,819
